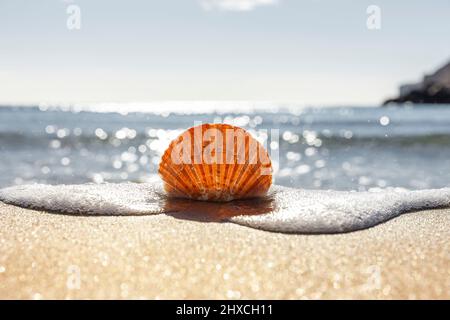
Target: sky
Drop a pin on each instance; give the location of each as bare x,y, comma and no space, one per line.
310,52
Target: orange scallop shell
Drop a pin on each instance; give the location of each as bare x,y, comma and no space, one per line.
216,162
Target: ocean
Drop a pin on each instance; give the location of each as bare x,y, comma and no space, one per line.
339,148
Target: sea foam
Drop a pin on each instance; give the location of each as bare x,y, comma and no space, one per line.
284,210
88,199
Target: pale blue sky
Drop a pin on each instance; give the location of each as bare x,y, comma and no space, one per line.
304,51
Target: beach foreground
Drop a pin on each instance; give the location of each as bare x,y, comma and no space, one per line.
52,256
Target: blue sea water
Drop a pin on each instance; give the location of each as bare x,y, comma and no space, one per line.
345,148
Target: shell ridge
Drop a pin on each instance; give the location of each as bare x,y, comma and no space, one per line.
239,167
179,185
214,169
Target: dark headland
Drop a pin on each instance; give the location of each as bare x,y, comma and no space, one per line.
434,88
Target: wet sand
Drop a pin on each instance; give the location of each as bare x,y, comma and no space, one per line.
52,256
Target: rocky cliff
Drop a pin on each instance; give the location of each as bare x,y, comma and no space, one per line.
434,88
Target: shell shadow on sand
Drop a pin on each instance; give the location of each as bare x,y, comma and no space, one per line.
207,211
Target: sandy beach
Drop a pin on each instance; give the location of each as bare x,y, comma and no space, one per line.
52,256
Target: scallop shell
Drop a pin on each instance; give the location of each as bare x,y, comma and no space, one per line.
216,162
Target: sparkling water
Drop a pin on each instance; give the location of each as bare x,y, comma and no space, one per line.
366,148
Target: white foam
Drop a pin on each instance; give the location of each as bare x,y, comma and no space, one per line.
88,199
308,211
288,210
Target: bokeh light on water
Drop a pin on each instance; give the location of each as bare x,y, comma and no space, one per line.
339,148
